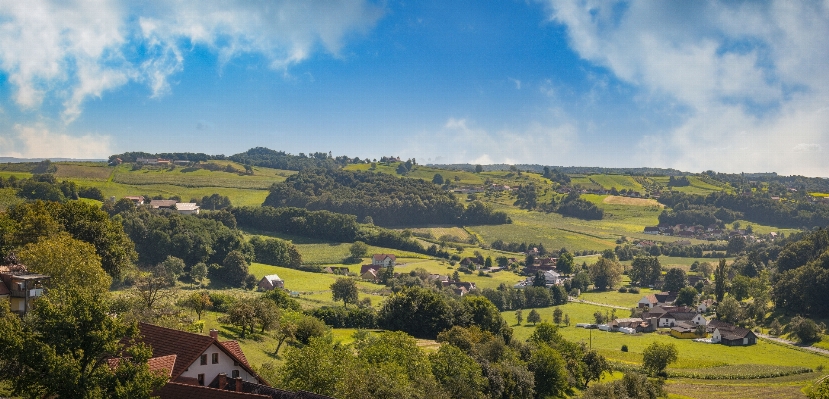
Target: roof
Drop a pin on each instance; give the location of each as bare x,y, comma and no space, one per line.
650,298
187,347
163,203
272,277
729,331
165,363
365,268
186,206
184,391
383,256
680,315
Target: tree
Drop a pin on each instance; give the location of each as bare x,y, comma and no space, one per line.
728,310
420,312
686,297
172,268
437,179
488,262
287,328
344,289
674,280
241,314
740,287
60,350
533,317
632,385
69,262
806,330
565,262
198,272
567,320
479,168
199,302
550,372
595,366
266,314
736,245
656,357
705,269
599,317
457,372
234,269
645,270
557,313
605,273
358,250
309,327
720,281
519,315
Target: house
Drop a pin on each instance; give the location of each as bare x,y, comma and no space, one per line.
163,204
457,284
197,365
660,299
20,287
705,305
672,318
383,260
187,208
365,268
371,275
730,335
648,301
636,324
270,282
138,200
651,230
686,330
694,279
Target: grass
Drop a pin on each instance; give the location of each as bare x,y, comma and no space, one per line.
618,181
698,185
238,197
438,231
692,355
313,288
87,171
441,267
193,177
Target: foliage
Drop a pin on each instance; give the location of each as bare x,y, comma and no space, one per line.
687,297
720,280
282,299
806,330
59,351
550,372
358,250
632,385
657,356
341,317
803,281
199,302
387,199
261,156
605,273
273,251
215,202
234,269
580,208
534,317
645,270
674,280
457,372
418,311
308,328
344,289
71,263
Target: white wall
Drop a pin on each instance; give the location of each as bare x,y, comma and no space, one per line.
211,370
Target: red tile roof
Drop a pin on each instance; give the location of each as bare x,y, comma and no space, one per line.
164,364
166,341
383,256
234,348
174,390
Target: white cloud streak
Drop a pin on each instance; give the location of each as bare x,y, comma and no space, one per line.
74,50
753,75
38,141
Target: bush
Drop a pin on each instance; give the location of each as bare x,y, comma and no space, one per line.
341,317
624,348
634,290
222,302
309,327
623,290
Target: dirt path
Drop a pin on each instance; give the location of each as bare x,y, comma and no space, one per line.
792,343
575,300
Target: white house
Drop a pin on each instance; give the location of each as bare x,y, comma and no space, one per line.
384,260
270,282
703,306
187,208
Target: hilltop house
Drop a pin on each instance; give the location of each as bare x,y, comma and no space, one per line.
138,200
270,282
163,204
383,260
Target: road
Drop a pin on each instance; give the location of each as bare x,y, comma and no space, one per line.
792,343
576,300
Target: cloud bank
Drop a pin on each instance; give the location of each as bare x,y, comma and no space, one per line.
750,80
74,50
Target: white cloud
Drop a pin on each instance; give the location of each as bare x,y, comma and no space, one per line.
80,49
752,75
516,82
461,141
39,142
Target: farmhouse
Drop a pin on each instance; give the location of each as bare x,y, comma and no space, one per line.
704,305
651,230
634,323
370,274
270,282
187,208
730,335
686,330
20,287
383,260
138,200
163,204
660,299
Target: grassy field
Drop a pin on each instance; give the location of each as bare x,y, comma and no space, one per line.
618,181
442,267
86,171
196,177
698,186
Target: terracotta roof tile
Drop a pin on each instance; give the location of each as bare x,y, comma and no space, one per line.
234,348
163,364
166,341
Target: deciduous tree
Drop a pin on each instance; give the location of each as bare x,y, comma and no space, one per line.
657,356
344,289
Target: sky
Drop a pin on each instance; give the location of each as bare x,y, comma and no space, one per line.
726,86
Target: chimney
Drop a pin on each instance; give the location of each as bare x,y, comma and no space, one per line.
214,333
222,380
238,384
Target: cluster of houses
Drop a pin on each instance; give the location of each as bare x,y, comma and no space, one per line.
160,161
711,232
373,272
658,311
183,208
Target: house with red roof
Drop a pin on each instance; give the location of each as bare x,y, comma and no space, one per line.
383,260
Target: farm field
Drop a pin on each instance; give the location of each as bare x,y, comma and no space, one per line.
698,186
619,182
314,288
238,196
86,171
195,177
442,267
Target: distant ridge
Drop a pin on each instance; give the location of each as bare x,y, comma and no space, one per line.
23,160
568,169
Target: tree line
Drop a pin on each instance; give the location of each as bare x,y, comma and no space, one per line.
386,199
753,207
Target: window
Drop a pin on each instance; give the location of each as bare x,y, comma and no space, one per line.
235,374
201,379
215,358
204,359
235,363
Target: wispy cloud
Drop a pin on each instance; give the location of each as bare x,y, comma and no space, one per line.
37,141
76,50
752,75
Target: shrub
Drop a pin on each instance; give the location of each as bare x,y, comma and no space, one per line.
624,348
623,290
222,302
634,290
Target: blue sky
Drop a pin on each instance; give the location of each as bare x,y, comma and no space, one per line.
736,86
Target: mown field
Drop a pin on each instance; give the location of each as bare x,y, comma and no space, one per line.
698,185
